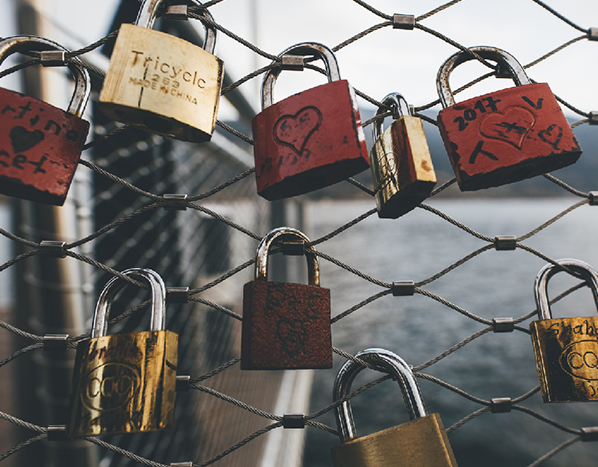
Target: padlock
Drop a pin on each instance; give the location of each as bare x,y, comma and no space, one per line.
40,145
504,136
402,168
163,83
421,442
125,383
285,325
566,349
311,139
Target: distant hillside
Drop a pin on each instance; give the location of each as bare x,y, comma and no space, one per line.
582,175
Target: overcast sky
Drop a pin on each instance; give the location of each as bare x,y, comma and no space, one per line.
387,60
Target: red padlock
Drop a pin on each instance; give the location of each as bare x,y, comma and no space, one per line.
311,139
504,136
285,326
40,144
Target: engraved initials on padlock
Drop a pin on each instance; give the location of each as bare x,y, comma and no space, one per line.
40,145
504,136
161,82
125,383
566,349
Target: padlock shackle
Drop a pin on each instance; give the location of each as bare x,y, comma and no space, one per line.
541,284
149,11
304,48
385,361
399,108
261,262
488,53
26,43
99,326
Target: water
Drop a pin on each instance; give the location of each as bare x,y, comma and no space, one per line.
493,284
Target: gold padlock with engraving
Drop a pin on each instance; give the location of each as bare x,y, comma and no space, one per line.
125,383
161,82
400,161
566,349
421,442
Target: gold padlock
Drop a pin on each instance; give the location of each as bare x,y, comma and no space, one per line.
422,442
566,349
400,160
125,383
161,82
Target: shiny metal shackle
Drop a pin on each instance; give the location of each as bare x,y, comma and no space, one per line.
305,48
488,53
149,11
582,268
27,43
399,108
99,326
281,233
382,360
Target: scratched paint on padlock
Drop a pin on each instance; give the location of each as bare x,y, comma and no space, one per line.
566,353
154,74
506,136
40,146
285,325
308,141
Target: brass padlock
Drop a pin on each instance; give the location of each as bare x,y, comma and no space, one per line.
421,442
566,349
125,383
161,82
400,160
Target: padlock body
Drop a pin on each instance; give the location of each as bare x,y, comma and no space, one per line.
162,83
402,168
124,383
285,326
419,443
566,352
40,147
308,141
507,136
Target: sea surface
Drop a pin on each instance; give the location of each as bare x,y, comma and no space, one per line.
418,328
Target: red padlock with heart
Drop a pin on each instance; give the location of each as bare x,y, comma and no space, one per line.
40,144
311,139
505,136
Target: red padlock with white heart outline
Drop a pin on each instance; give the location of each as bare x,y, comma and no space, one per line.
311,139
505,136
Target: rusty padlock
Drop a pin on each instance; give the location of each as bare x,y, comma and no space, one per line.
40,145
400,160
421,442
566,349
504,136
161,82
285,325
125,383
311,139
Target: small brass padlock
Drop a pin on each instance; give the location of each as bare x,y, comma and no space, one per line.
40,145
504,136
566,349
285,325
422,442
400,160
161,82
125,383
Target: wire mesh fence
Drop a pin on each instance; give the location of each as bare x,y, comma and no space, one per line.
204,242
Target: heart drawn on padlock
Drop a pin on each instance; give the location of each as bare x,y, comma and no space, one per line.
295,130
512,126
552,135
23,139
